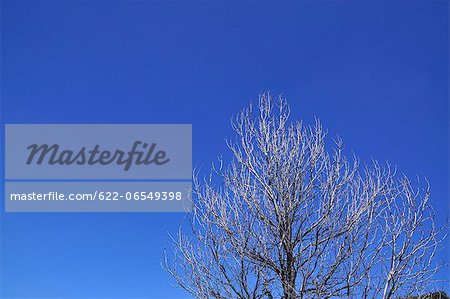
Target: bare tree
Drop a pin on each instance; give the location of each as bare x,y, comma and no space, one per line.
290,217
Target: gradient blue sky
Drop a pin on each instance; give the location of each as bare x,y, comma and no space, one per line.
376,73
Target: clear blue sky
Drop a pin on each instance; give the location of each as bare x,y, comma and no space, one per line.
374,72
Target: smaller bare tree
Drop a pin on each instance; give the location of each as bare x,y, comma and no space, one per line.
291,218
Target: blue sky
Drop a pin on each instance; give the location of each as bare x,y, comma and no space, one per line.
376,73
